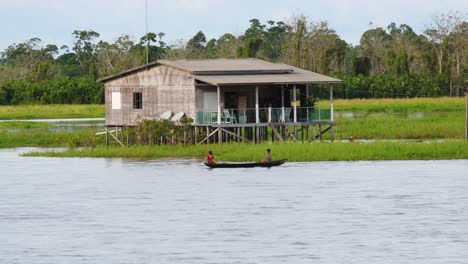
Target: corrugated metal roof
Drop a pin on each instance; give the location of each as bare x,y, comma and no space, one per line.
236,72
296,76
129,71
228,66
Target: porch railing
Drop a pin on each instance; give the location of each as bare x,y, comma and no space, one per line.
266,115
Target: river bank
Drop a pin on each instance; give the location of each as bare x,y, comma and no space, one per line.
417,126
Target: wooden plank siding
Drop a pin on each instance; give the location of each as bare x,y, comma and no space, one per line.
164,89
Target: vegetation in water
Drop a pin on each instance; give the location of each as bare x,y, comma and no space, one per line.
157,132
51,111
380,119
23,125
397,105
416,118
44,138
293,152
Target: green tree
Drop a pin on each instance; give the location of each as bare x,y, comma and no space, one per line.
157,48
85,47
196,45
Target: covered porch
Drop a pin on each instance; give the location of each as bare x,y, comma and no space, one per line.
259,104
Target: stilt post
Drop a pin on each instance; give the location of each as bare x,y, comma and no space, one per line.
332,133
107,136
320,132
314,132
466,114
307,102
331,103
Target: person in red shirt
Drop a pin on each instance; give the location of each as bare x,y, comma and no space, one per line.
210,158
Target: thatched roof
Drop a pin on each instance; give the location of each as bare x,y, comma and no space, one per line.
237,72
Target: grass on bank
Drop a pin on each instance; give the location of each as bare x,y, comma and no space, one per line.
23,125
383,126
44,138
405,105
294,152
391,118
51,111
379,122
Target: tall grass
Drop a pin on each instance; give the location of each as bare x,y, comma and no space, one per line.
382,126
443,104
293,152
50,111
23,125
44,138
391,118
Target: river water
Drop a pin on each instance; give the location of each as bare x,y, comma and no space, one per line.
55,210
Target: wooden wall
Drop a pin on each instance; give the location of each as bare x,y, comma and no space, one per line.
164,89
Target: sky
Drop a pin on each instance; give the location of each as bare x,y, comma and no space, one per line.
54,20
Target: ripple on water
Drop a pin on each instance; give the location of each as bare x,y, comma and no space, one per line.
177,211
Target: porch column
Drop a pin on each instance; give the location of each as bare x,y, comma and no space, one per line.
282,103
257,113
332,135
295,103
220,135
219,104
331,103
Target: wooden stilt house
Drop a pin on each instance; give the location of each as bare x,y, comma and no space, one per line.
221,95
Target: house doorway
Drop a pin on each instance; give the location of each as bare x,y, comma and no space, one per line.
231,100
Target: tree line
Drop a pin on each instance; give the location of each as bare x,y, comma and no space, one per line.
392,61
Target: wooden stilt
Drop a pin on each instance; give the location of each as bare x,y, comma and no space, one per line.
209,135
232,134
332,134
466,114
116,138
128,132
275,132
314,132
302,133
107,136
320,132
257,135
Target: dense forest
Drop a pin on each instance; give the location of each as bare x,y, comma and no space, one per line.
388,62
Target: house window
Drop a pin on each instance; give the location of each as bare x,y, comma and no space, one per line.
137,100
115,100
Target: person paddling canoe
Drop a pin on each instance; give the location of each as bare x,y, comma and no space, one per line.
267,157
210,158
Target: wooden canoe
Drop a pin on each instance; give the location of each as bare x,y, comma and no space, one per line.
247,164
